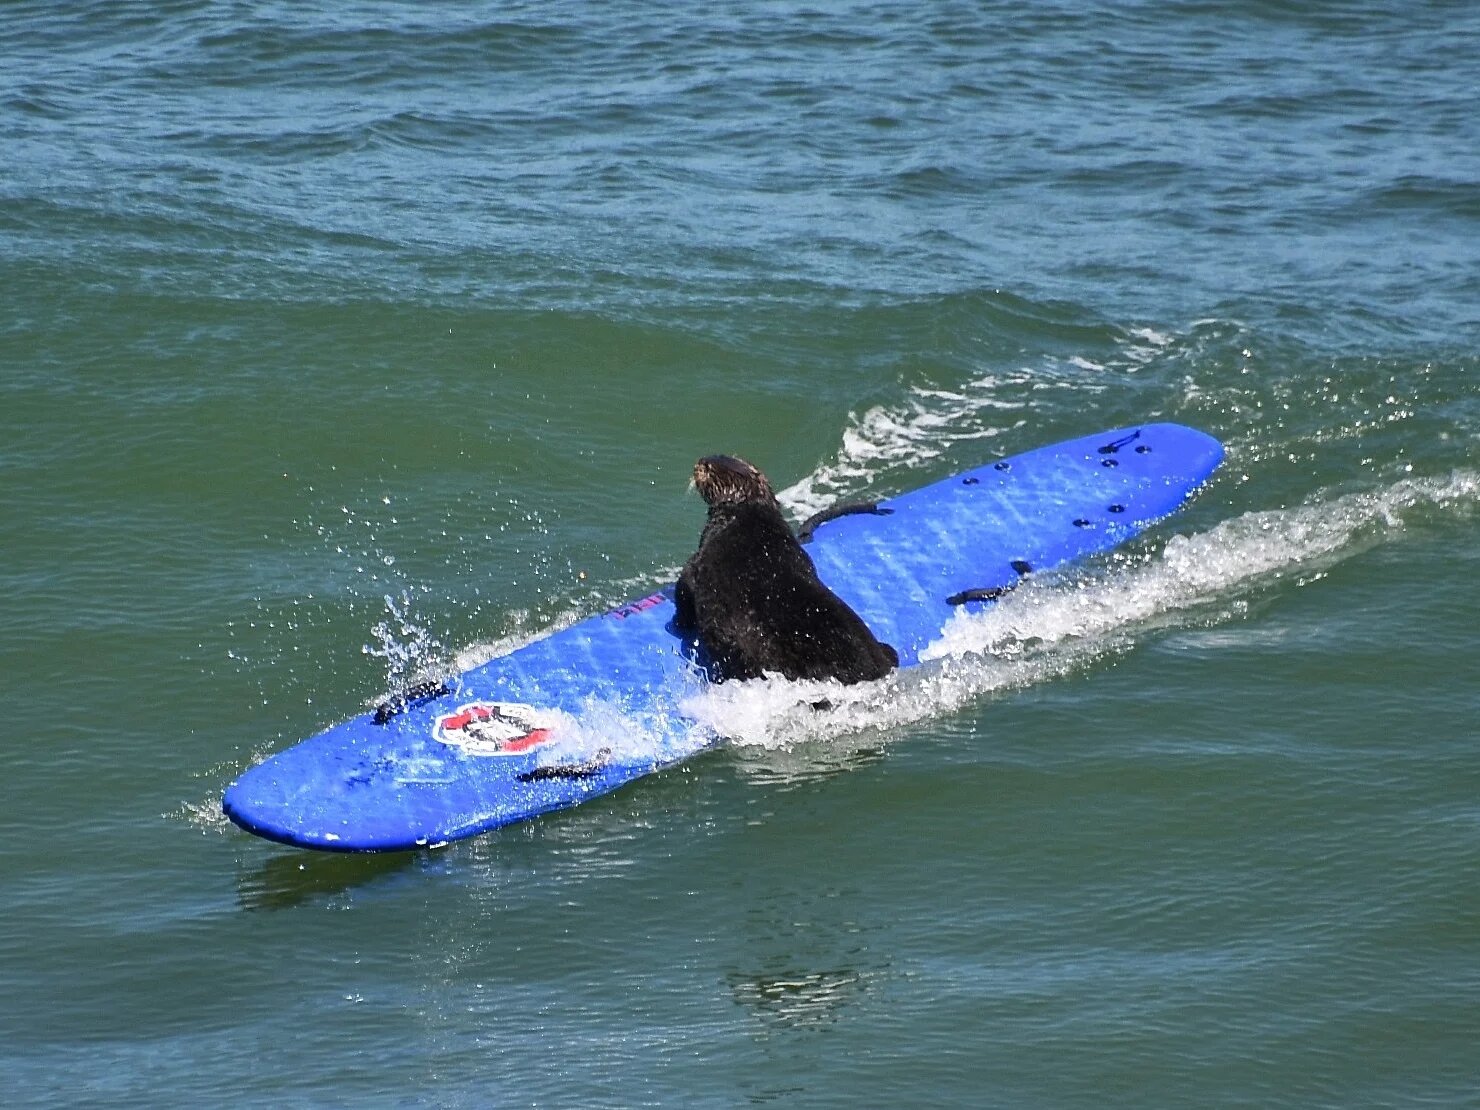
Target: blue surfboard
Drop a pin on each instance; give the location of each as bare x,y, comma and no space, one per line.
593,706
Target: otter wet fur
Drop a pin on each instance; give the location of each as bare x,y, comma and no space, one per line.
751,596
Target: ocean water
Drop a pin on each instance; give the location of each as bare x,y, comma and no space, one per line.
344,341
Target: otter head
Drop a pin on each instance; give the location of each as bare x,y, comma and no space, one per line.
726,480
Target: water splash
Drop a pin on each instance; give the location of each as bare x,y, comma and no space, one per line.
204,815
1227,563
917,430
411,653
885,444
1060,624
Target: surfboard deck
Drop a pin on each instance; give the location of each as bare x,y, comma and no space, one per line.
593,706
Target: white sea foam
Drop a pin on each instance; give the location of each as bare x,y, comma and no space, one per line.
1060,624
204,815
484,651
923,426
927,423
603,729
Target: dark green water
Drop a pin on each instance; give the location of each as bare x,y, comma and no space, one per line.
342,343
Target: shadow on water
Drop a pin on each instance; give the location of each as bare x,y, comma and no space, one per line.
797,999
299,875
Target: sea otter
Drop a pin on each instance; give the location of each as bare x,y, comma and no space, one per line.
751,596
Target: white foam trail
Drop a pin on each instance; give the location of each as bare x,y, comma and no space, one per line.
485,651
1222,564
921,428
603,729
926,424
1049,628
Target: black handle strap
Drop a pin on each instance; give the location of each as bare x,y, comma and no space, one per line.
1124,441
991,593
419,694
1022,567
589,769
848,508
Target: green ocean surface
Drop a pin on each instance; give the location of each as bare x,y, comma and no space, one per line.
343,343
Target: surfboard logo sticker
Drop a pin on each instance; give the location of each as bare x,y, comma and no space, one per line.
495,728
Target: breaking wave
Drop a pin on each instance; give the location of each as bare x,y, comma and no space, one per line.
888,443
921,429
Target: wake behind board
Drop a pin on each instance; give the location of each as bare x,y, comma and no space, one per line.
596,705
